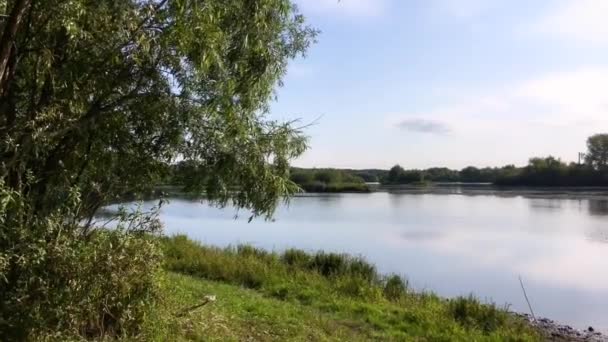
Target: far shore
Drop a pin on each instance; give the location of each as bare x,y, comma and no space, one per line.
485,189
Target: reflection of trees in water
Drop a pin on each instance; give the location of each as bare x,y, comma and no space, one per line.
325,200
598,232
598,207
545,204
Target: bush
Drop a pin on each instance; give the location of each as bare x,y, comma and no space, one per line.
296,257
394,288
57,280
360,268
330,264
471,313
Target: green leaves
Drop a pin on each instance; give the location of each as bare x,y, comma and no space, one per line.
98,99
118,90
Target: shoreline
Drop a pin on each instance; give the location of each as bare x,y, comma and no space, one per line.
554,331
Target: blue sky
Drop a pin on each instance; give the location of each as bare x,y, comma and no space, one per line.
449,83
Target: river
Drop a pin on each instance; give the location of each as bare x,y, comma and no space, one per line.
451,244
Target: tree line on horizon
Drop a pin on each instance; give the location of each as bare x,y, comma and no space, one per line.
540,171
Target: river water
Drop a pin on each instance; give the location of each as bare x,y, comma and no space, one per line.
451,244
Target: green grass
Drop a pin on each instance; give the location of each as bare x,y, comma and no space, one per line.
297,296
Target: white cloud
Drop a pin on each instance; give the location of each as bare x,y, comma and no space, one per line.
548,115
562,98
583,20
419,125
359,8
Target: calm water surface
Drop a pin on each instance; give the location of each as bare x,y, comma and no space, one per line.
450,244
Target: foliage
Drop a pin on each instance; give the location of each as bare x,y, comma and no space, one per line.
395,287
550,171
547,171
441,174
328,180
470,312
597,151
319,296
104,95
398,175
98,99
55,282
472,174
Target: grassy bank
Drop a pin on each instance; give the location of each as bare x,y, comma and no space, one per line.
300,296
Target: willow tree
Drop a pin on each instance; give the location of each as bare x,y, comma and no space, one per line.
97,99
101,95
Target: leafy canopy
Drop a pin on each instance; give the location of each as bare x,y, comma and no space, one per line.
103,95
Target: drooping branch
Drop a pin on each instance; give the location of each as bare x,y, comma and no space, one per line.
8,37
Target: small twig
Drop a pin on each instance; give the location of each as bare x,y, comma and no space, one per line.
184,312
526,296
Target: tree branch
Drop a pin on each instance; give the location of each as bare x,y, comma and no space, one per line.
8,37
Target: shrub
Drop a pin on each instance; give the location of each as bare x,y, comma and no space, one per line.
358,267
254,252
330,264
394,287
296,257
471,313
57,279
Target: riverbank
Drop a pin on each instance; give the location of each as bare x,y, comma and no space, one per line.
554,331
262,296
488,189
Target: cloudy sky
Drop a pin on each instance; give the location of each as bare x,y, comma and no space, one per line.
449,82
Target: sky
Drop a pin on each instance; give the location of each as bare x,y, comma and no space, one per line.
425,83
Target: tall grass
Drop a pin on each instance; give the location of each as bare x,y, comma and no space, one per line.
313,278
254,267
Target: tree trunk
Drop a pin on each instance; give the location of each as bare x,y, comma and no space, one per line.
8,37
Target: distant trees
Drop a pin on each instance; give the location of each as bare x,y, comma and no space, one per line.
441,174
551,171
597,151
540,171
327,180
398,175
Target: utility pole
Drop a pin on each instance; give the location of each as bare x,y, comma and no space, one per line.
581,158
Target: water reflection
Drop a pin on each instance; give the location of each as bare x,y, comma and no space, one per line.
598,207
545,204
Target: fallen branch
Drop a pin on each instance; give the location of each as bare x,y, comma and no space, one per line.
184,312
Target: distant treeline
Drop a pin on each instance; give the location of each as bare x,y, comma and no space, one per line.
471,174
328,180
592,170
547,171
